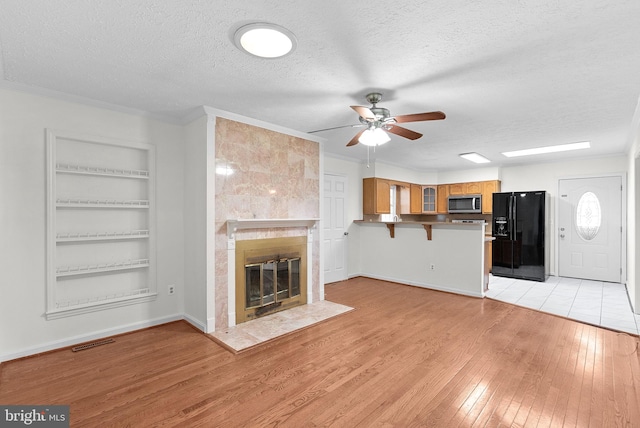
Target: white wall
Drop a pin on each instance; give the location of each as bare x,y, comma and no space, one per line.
23,120
195,222
457,253
474,174
545,176
633,217
394,172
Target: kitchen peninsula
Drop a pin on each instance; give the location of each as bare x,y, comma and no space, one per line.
452,259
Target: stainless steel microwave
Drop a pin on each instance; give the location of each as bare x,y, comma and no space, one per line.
464,204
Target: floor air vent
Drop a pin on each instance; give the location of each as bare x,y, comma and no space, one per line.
91,345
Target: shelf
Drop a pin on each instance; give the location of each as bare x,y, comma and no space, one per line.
69,308
243,224
100,204
101,236
66,271
95,203
106,172
98,299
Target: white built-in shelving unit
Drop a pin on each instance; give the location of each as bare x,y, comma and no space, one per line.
100,223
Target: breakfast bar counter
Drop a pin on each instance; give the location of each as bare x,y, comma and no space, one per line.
442,256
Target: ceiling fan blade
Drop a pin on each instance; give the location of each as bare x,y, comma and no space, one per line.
404,132
364,112
354,140
336,127
420,117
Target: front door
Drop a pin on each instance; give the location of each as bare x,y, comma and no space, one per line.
335,230
590,228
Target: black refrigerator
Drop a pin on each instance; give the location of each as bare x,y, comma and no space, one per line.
521,245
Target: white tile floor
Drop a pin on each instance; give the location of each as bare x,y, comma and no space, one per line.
599,303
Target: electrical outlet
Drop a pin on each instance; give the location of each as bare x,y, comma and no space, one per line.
432,267
172,289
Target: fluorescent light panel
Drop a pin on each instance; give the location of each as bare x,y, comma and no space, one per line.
548,149
474,157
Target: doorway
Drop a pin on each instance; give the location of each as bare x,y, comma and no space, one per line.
590,228
335,229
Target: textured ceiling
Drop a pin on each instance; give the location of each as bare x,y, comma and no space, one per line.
508,74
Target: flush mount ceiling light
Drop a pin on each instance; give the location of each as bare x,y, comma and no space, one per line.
265,40
474,157
374,137
548,149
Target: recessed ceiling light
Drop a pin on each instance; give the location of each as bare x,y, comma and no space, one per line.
265,40
548,149
474,157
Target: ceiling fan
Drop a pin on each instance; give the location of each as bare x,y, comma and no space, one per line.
379,119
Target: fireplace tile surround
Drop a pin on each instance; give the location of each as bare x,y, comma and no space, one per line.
275,179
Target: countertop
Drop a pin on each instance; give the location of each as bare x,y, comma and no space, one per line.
431,223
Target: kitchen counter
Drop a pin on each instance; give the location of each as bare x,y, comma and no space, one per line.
427,225
451,257
433,223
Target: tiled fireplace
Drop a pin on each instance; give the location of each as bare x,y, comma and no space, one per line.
273,193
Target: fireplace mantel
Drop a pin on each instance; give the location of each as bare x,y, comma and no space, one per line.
265,223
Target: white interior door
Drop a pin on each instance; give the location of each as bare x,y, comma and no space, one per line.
335,231
590,228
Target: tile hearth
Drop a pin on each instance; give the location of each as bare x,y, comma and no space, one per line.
255,332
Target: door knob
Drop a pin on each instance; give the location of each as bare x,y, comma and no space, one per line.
562,229
562,235
346,233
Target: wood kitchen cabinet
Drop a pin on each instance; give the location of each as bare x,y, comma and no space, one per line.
376,196
442,193
469,188
416,199
429,199
473,188
457,189
488,189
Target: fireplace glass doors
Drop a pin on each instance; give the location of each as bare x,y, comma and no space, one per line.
262,279
270,276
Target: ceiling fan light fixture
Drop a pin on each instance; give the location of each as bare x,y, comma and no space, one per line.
375,137
474,157
265,40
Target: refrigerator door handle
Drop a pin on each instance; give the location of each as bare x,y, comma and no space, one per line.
513,217
510,217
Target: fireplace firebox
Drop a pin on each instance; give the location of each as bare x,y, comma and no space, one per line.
270,276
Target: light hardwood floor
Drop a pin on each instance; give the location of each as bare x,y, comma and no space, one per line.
404,357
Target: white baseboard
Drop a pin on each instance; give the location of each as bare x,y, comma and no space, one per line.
423,285
194,322
58,344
